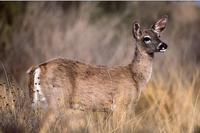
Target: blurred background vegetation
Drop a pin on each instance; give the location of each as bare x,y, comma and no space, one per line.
100,33
32,32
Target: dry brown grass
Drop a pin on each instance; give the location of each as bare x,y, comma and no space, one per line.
170,107
169,104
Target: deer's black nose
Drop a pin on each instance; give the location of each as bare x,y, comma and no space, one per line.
162,47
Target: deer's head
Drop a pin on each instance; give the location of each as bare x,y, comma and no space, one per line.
148,40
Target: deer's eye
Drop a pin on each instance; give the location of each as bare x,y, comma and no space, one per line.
147,39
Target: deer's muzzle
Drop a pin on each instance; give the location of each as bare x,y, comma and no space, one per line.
162,47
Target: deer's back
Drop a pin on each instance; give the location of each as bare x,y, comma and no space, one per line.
82,86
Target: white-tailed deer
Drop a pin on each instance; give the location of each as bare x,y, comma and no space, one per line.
86,87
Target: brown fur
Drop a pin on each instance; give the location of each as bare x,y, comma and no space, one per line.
85,87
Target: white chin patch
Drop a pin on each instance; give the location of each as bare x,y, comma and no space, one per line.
163,50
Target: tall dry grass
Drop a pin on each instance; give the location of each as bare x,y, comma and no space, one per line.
97,35
165,106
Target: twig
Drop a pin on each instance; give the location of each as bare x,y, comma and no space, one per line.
6,75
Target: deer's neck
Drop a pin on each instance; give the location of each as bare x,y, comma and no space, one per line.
141,67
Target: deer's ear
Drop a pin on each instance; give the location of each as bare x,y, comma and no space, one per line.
137,33
160,25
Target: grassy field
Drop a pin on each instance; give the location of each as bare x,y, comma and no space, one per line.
169,107
100,33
